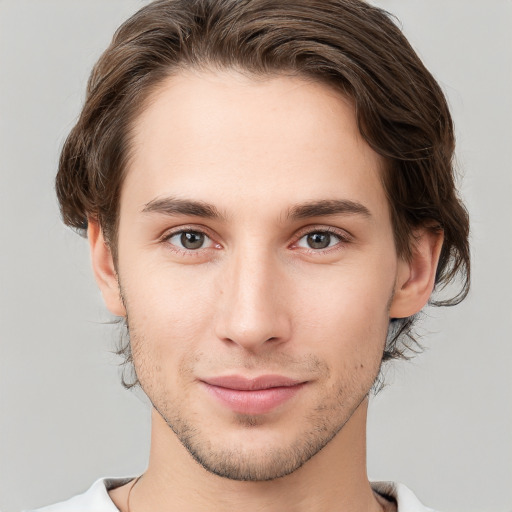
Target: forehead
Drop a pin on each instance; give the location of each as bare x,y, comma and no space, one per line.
274,141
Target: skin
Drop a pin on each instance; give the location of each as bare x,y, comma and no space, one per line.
256,298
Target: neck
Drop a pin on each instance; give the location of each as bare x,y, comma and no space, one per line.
334,479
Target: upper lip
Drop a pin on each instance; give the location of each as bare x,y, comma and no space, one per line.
240,383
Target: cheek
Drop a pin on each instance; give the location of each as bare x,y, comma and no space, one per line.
169,312
347,314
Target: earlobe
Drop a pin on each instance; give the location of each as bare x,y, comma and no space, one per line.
104,269
416,277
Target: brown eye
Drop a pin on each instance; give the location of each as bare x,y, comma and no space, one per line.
319,240
192,239
189,240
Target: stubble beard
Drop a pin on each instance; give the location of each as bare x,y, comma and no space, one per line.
266,465
323,423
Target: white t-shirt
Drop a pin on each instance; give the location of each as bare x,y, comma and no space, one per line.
96,499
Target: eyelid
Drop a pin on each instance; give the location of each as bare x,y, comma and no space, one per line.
343,234
198,228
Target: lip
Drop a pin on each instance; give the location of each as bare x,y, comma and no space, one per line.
252,395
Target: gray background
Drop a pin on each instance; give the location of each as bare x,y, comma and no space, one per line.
444,424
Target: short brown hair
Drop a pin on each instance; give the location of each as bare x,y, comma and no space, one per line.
348,44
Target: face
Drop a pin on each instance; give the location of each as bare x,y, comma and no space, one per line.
257,267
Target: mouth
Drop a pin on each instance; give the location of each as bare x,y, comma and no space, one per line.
259,395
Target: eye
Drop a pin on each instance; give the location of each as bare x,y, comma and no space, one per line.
190,240
319,240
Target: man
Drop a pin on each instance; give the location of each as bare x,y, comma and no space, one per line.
268,193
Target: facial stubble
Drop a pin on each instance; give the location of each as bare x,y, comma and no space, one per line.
275,462
270,462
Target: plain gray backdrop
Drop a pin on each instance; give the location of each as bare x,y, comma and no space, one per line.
443,425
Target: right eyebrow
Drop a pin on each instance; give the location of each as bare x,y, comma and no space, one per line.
175,206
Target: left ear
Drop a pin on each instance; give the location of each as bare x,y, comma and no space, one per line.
416,277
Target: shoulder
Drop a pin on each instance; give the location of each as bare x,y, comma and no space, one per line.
95,499
405,499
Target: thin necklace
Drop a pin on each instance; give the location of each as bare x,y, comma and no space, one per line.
383,502
130,492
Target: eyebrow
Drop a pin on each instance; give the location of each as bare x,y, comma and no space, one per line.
175,206
328,207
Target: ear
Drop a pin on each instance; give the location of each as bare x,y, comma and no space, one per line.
104,269
416,277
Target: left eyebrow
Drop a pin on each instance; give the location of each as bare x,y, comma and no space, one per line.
327,207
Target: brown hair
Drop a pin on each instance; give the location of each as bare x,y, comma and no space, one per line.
348,44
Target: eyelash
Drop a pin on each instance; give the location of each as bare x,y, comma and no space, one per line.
188,252
343,239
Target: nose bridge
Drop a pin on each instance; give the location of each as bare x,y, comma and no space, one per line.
252,312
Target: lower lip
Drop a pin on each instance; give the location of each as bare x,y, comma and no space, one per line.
259,401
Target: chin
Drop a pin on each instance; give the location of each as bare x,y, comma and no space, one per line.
253,449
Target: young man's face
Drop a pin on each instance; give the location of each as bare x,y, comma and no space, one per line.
257,266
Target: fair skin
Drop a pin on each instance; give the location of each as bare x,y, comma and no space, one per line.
255,242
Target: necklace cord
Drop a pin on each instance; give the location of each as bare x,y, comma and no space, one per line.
130,493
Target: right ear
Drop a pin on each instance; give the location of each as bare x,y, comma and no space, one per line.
104,269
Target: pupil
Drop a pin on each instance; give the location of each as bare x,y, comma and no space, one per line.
192,240
319,240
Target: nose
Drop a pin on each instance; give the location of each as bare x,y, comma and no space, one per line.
253,310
